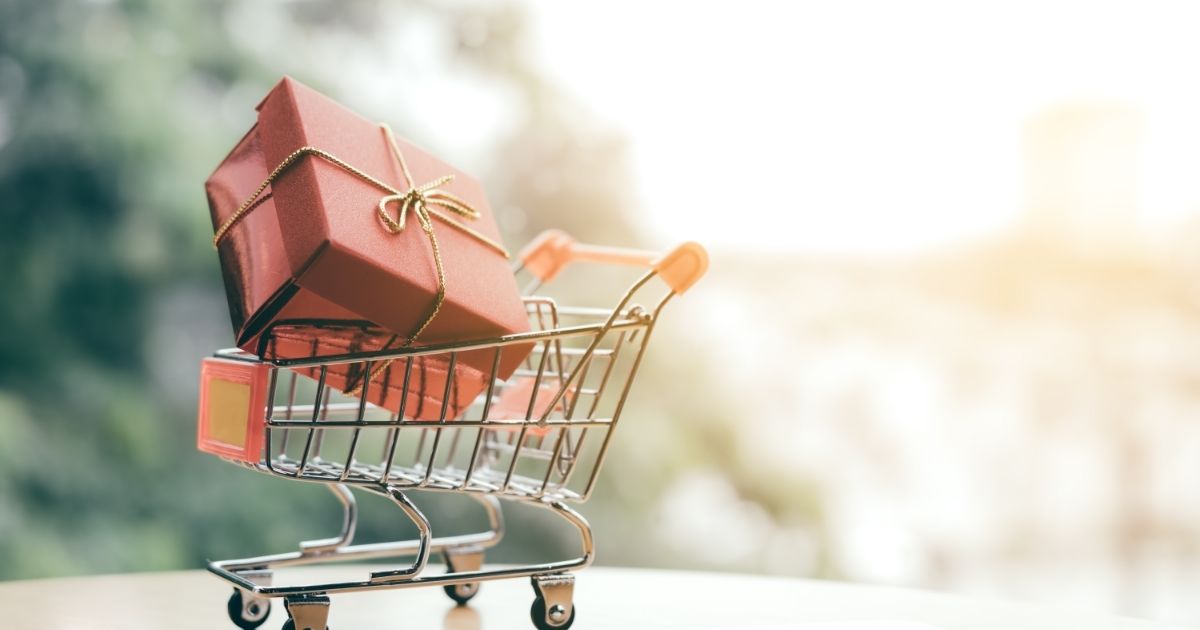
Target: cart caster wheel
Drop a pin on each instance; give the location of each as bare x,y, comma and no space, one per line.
537,613
462,593
247,615
468,559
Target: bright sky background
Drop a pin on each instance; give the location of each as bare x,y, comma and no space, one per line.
869,126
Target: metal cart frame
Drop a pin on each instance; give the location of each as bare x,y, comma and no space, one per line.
575,373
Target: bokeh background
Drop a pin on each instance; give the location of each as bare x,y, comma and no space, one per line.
950,338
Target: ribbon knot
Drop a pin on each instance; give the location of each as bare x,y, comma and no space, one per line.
418,199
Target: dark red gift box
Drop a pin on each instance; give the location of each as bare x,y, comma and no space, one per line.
426,377
312,248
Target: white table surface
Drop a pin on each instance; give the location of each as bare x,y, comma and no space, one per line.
605,597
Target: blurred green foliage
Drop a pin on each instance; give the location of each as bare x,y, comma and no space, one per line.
102,148
111,116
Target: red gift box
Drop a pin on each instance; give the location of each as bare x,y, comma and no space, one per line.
339,234
426,378
233,402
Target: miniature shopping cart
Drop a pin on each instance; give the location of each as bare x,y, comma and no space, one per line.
538,437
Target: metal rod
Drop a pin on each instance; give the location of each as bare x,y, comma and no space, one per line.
637,361
426,535
316,411
498,424
362,411
461,346
391,454
487,408
290,402
349,524
437,436
229,569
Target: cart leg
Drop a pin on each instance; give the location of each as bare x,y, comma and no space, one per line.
495,517
553,608
461,560
309,612
349,523
424,531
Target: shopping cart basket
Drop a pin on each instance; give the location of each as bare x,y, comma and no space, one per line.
538,437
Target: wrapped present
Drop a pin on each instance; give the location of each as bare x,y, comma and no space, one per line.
322,216
426,377
233,399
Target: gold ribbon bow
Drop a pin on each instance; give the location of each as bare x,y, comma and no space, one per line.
425,201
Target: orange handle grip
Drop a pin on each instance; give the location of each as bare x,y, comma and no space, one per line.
552,250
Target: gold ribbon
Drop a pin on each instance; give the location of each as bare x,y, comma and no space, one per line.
426,202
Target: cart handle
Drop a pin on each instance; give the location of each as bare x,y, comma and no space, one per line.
547,254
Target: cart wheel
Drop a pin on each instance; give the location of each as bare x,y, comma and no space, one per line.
257,612
537,613
462,593
291,625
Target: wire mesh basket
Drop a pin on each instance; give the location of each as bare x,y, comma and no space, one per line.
538,436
